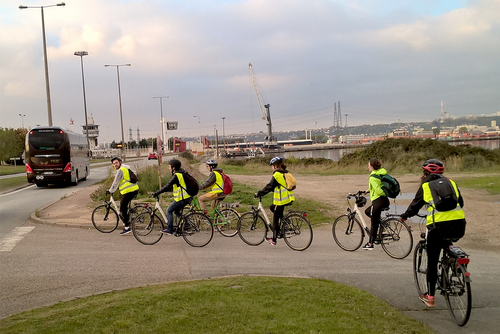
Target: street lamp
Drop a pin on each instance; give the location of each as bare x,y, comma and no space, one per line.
199,122
81,54
120,100
161,121
223,135
47,87
22,120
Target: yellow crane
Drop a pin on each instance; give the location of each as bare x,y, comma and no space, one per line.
270,141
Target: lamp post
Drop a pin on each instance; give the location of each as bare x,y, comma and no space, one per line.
22,120
47,87
120,100
223,134
81,54
161,120
199,122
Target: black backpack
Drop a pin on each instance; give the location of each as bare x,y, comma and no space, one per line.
443,194
133,177
192,186
390,185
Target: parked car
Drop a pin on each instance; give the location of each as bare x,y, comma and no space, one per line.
152,155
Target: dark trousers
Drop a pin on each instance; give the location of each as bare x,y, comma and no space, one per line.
176,207
277,211
374,211
124,204
435,243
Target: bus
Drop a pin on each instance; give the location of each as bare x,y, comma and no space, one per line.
56,155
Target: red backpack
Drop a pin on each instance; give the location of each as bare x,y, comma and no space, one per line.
228,184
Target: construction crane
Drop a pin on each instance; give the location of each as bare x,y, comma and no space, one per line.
266,115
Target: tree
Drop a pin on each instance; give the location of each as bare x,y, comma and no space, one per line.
463,130
11,143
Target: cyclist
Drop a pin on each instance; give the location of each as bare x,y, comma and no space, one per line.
442,225
181,197
128,190
282,196
378,198
215,181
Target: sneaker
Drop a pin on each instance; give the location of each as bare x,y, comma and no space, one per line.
167,231
271,242
428,300
368,246
125,231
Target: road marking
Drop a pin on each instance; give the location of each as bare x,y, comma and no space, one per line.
12,239
16,191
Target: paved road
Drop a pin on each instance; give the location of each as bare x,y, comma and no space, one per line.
54,264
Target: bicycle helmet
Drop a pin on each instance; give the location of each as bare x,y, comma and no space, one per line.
433,166
116,158
275,160
212,163
176,164
361,201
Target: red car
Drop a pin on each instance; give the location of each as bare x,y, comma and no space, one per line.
152,155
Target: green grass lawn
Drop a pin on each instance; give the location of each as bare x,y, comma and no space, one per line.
12,183
223,305
6,170
488,183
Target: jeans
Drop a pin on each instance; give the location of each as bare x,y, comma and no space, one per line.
175,207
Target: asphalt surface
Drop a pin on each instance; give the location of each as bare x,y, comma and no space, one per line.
52,263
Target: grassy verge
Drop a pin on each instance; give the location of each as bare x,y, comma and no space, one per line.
488,183
223,305
12,183
6,170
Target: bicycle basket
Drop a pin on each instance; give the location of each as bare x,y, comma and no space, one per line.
361,201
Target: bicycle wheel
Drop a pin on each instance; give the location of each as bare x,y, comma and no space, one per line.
348,233
252,228
396,238
420,267
137,209
227,222
458,295
147,227
297,231
105,219
197,229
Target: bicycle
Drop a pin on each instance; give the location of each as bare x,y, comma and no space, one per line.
453,278
224,220
195,227
394,235
295,228
105,217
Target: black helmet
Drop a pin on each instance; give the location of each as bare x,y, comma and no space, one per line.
433,166
212,163
275,160
176,164
116,158
361,201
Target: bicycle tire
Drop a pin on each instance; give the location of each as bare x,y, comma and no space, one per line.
396,238
420,267
297,231
147,228
105,219
348,233
197,229
137,209
457,294
252,228
227,222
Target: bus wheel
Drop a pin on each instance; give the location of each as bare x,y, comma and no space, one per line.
76,179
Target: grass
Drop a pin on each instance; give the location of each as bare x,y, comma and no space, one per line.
12,183
488,183
6,170
223,305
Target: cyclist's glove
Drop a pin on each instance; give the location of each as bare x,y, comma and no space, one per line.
255,195
404,217
156,195
107,192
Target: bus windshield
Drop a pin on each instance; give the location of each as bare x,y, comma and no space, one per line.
46,139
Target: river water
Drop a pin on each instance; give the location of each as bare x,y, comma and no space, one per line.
336,153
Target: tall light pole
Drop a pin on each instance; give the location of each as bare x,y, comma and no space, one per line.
47,87
81,54
22,120
223,134
199,122
161,120
120,100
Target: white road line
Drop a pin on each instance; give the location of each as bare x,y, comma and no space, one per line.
16,191
11,239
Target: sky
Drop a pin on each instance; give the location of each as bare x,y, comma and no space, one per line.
384,60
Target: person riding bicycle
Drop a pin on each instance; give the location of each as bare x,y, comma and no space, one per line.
215,181
378,197
181,197
282,196
128,190
442,226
